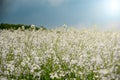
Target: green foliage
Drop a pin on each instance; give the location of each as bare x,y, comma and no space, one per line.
17,26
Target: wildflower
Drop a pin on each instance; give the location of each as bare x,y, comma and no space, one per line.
103,71
3,78
53,75
73,61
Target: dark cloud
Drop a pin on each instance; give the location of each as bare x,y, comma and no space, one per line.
4,6
2,2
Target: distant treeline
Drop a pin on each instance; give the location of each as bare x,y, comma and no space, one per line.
17,26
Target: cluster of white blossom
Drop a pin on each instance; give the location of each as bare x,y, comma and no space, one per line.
61,53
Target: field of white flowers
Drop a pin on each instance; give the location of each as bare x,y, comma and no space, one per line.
59,54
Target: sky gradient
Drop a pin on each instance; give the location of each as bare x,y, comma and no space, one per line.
53,13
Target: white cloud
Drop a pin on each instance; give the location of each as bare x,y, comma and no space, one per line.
55,2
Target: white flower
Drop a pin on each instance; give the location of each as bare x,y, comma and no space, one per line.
103,71
54,75
37,59
73,61
6,72
23,63
62,50
104,78
3,78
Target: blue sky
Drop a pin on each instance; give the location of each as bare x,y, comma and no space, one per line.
53,13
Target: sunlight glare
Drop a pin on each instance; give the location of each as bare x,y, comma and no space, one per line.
112,7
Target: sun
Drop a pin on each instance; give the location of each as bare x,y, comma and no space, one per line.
112,7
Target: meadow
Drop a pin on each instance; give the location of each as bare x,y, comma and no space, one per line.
59,54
